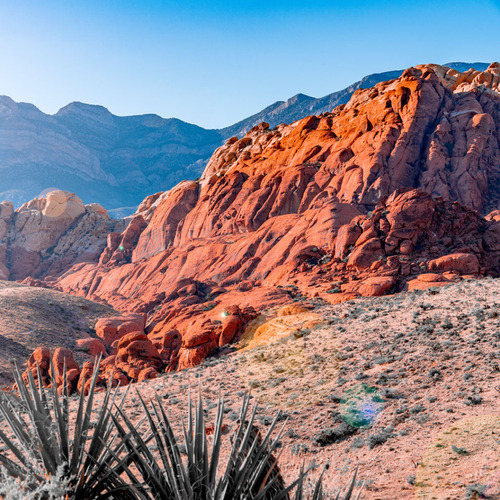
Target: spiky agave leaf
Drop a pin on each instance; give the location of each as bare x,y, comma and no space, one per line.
251,471
153,479
317,493
44,444
350,492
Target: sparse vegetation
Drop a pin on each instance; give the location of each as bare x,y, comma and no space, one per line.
421,373
103,454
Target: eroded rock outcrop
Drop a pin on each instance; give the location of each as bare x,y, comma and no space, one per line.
112,329
63,364
433,128
48,235
361,201
410,234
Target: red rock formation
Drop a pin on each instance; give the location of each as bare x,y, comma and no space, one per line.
136,353
382,251
433,128
112,329
85,380
62,361
65,365
92,346
325,207
463,263
428,280
39,362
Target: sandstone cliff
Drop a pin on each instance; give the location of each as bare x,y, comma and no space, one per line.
381,195
433,128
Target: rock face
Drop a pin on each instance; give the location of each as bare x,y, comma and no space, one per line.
48,235
433,128
111,330
462,263
360,201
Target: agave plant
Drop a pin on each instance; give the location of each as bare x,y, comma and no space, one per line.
250,473
46,452
103,455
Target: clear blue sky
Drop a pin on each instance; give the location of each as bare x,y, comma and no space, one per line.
215,62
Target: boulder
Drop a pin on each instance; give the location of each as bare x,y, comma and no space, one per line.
39,363
63,360
136,353
147,374
85,379
431,277
363,256
370,287
94,347
346,238
418,284
463,263
112,329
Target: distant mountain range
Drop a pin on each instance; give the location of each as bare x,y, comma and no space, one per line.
117,161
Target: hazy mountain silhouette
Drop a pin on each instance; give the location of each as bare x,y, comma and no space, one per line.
118,160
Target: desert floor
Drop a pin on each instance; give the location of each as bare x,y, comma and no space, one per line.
416,376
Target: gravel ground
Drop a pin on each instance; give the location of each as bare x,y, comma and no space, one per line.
404,388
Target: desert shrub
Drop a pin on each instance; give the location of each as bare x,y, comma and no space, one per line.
104,455
45,454
251,471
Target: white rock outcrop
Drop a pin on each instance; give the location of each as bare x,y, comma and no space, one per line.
47,235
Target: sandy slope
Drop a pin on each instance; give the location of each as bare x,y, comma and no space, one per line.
416,374
30,317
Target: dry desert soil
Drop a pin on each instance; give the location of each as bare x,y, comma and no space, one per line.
32,317
405,389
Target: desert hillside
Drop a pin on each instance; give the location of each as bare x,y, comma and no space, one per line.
405,388
32,317
216,285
